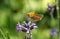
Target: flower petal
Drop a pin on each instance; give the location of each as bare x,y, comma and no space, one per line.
26,24
53,32
18,27
33,26
24,29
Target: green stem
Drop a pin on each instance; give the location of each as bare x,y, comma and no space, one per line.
2,34
51,37
51,13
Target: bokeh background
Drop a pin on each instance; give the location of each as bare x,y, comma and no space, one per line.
12,11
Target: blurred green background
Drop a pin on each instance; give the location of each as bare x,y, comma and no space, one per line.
12,11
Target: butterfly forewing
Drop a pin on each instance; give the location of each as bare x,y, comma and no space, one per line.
34,16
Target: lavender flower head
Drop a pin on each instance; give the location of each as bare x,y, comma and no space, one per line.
27,26
50,6
53,32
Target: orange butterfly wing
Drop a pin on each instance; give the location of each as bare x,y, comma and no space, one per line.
34,16
31,14
37,16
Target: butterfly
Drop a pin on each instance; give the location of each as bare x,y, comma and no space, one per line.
35,16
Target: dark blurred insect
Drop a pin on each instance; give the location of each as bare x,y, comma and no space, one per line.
34,16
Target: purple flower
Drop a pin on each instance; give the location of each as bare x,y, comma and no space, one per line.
24,29
27,23
53,32
50,7
33,26
27,26
18,27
